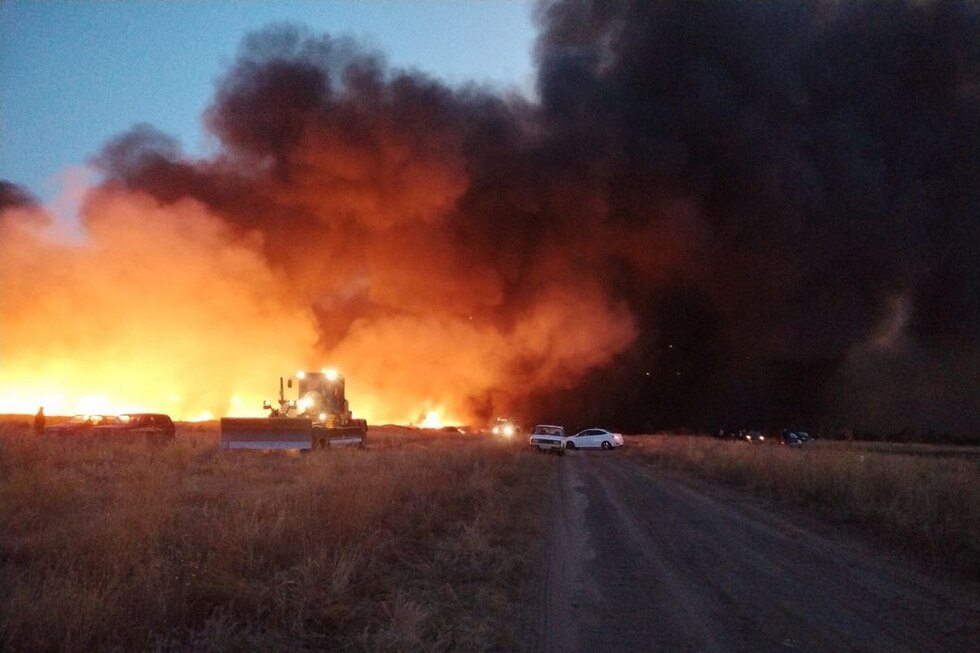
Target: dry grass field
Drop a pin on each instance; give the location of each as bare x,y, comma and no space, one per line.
418,543
927,503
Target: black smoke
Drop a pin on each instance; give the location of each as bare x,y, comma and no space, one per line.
784,195
13,196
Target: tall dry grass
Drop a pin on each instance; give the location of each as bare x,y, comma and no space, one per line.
415,544
931,505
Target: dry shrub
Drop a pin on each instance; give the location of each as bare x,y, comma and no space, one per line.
931,505
413,544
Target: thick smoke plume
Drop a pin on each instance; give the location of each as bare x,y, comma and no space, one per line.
719,212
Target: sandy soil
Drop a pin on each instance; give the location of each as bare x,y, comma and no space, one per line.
635,560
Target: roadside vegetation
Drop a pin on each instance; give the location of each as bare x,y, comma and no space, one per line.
927,503
418,543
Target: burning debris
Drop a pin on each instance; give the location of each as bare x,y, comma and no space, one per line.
707,216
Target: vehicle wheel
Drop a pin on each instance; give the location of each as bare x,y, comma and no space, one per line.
570,445
319,439
157,439
606,445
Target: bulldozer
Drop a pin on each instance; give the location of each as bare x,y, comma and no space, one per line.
318,418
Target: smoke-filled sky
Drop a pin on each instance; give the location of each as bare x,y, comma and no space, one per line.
72,74
713,213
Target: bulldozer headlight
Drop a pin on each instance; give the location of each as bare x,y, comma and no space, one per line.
330,373
323,417
508,430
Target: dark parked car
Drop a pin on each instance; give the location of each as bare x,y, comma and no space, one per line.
80,424
726,434
154,426
795,438
751,435
791,439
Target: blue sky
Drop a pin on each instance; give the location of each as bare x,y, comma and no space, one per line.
75,73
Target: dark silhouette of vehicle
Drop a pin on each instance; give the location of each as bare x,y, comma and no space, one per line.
154,427
751,436
790,439
505,427
80,424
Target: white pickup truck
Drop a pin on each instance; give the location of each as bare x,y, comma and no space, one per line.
548,437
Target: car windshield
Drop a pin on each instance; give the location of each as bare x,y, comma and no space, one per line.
549,430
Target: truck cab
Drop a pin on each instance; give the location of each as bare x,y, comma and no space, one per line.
505,427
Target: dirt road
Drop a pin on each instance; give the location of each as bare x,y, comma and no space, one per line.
638,561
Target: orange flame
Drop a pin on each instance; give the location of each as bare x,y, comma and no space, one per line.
160,310
166,308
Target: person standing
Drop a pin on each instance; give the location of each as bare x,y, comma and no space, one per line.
39,421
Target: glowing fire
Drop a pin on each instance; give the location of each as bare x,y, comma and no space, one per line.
432,420
150,307
159,310
71,393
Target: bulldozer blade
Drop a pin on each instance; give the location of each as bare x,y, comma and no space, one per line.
339,436
266,433
346,441
347,437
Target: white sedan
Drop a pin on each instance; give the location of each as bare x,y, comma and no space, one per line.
594,439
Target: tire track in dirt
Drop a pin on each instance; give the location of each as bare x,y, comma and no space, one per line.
559,589
633,560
